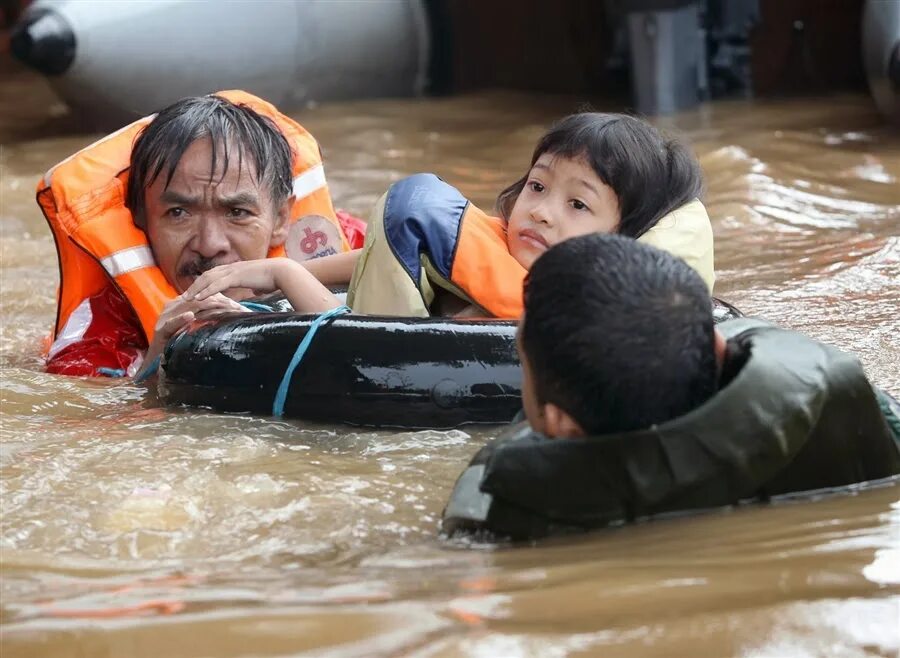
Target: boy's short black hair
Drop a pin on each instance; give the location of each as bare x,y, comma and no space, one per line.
618,334
233,129
651,174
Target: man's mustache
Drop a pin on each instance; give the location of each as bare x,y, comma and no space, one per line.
198,267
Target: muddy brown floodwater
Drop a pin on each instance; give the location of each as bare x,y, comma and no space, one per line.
130,530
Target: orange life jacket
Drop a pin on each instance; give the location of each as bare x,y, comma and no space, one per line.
484,269
424,234
83,199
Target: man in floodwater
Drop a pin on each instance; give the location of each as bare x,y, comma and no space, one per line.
210,181
637,405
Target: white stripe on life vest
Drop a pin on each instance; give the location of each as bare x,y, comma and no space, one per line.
76,326
309,181
128,260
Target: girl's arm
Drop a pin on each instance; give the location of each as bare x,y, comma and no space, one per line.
335,270
305,293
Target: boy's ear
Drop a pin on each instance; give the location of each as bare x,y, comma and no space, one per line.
280,231
558,424
720,346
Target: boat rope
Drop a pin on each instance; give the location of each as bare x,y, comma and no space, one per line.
149,371
284,386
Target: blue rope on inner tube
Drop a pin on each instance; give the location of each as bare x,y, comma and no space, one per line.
285,385
149,371
257,307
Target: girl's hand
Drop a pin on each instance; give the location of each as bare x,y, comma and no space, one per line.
261,276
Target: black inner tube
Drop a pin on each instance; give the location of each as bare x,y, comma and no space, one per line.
360,370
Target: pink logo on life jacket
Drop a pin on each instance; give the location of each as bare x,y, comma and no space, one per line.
312,236
308,244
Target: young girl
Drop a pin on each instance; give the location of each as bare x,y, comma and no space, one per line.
591,172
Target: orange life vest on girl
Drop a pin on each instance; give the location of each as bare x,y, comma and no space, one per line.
83,199
425,235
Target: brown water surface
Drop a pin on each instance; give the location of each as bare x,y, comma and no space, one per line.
129,530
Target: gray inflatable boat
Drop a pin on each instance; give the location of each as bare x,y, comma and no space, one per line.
881,54
114,61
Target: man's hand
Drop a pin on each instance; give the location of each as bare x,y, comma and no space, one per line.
180,312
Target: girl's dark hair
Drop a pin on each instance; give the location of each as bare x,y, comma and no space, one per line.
231,127
650,174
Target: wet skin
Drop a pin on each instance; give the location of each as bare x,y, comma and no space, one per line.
562,198
205,218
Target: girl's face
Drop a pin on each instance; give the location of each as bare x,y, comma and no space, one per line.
562,198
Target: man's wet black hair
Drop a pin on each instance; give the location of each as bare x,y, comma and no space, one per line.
232,128
650,174
617,333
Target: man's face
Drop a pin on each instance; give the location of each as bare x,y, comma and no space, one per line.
206,218
533,411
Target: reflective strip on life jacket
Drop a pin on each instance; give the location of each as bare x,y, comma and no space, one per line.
309,181
128,260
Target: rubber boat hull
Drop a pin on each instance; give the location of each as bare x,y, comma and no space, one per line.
113,62
358,369
881,54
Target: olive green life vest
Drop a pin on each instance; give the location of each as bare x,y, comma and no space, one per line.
798,416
